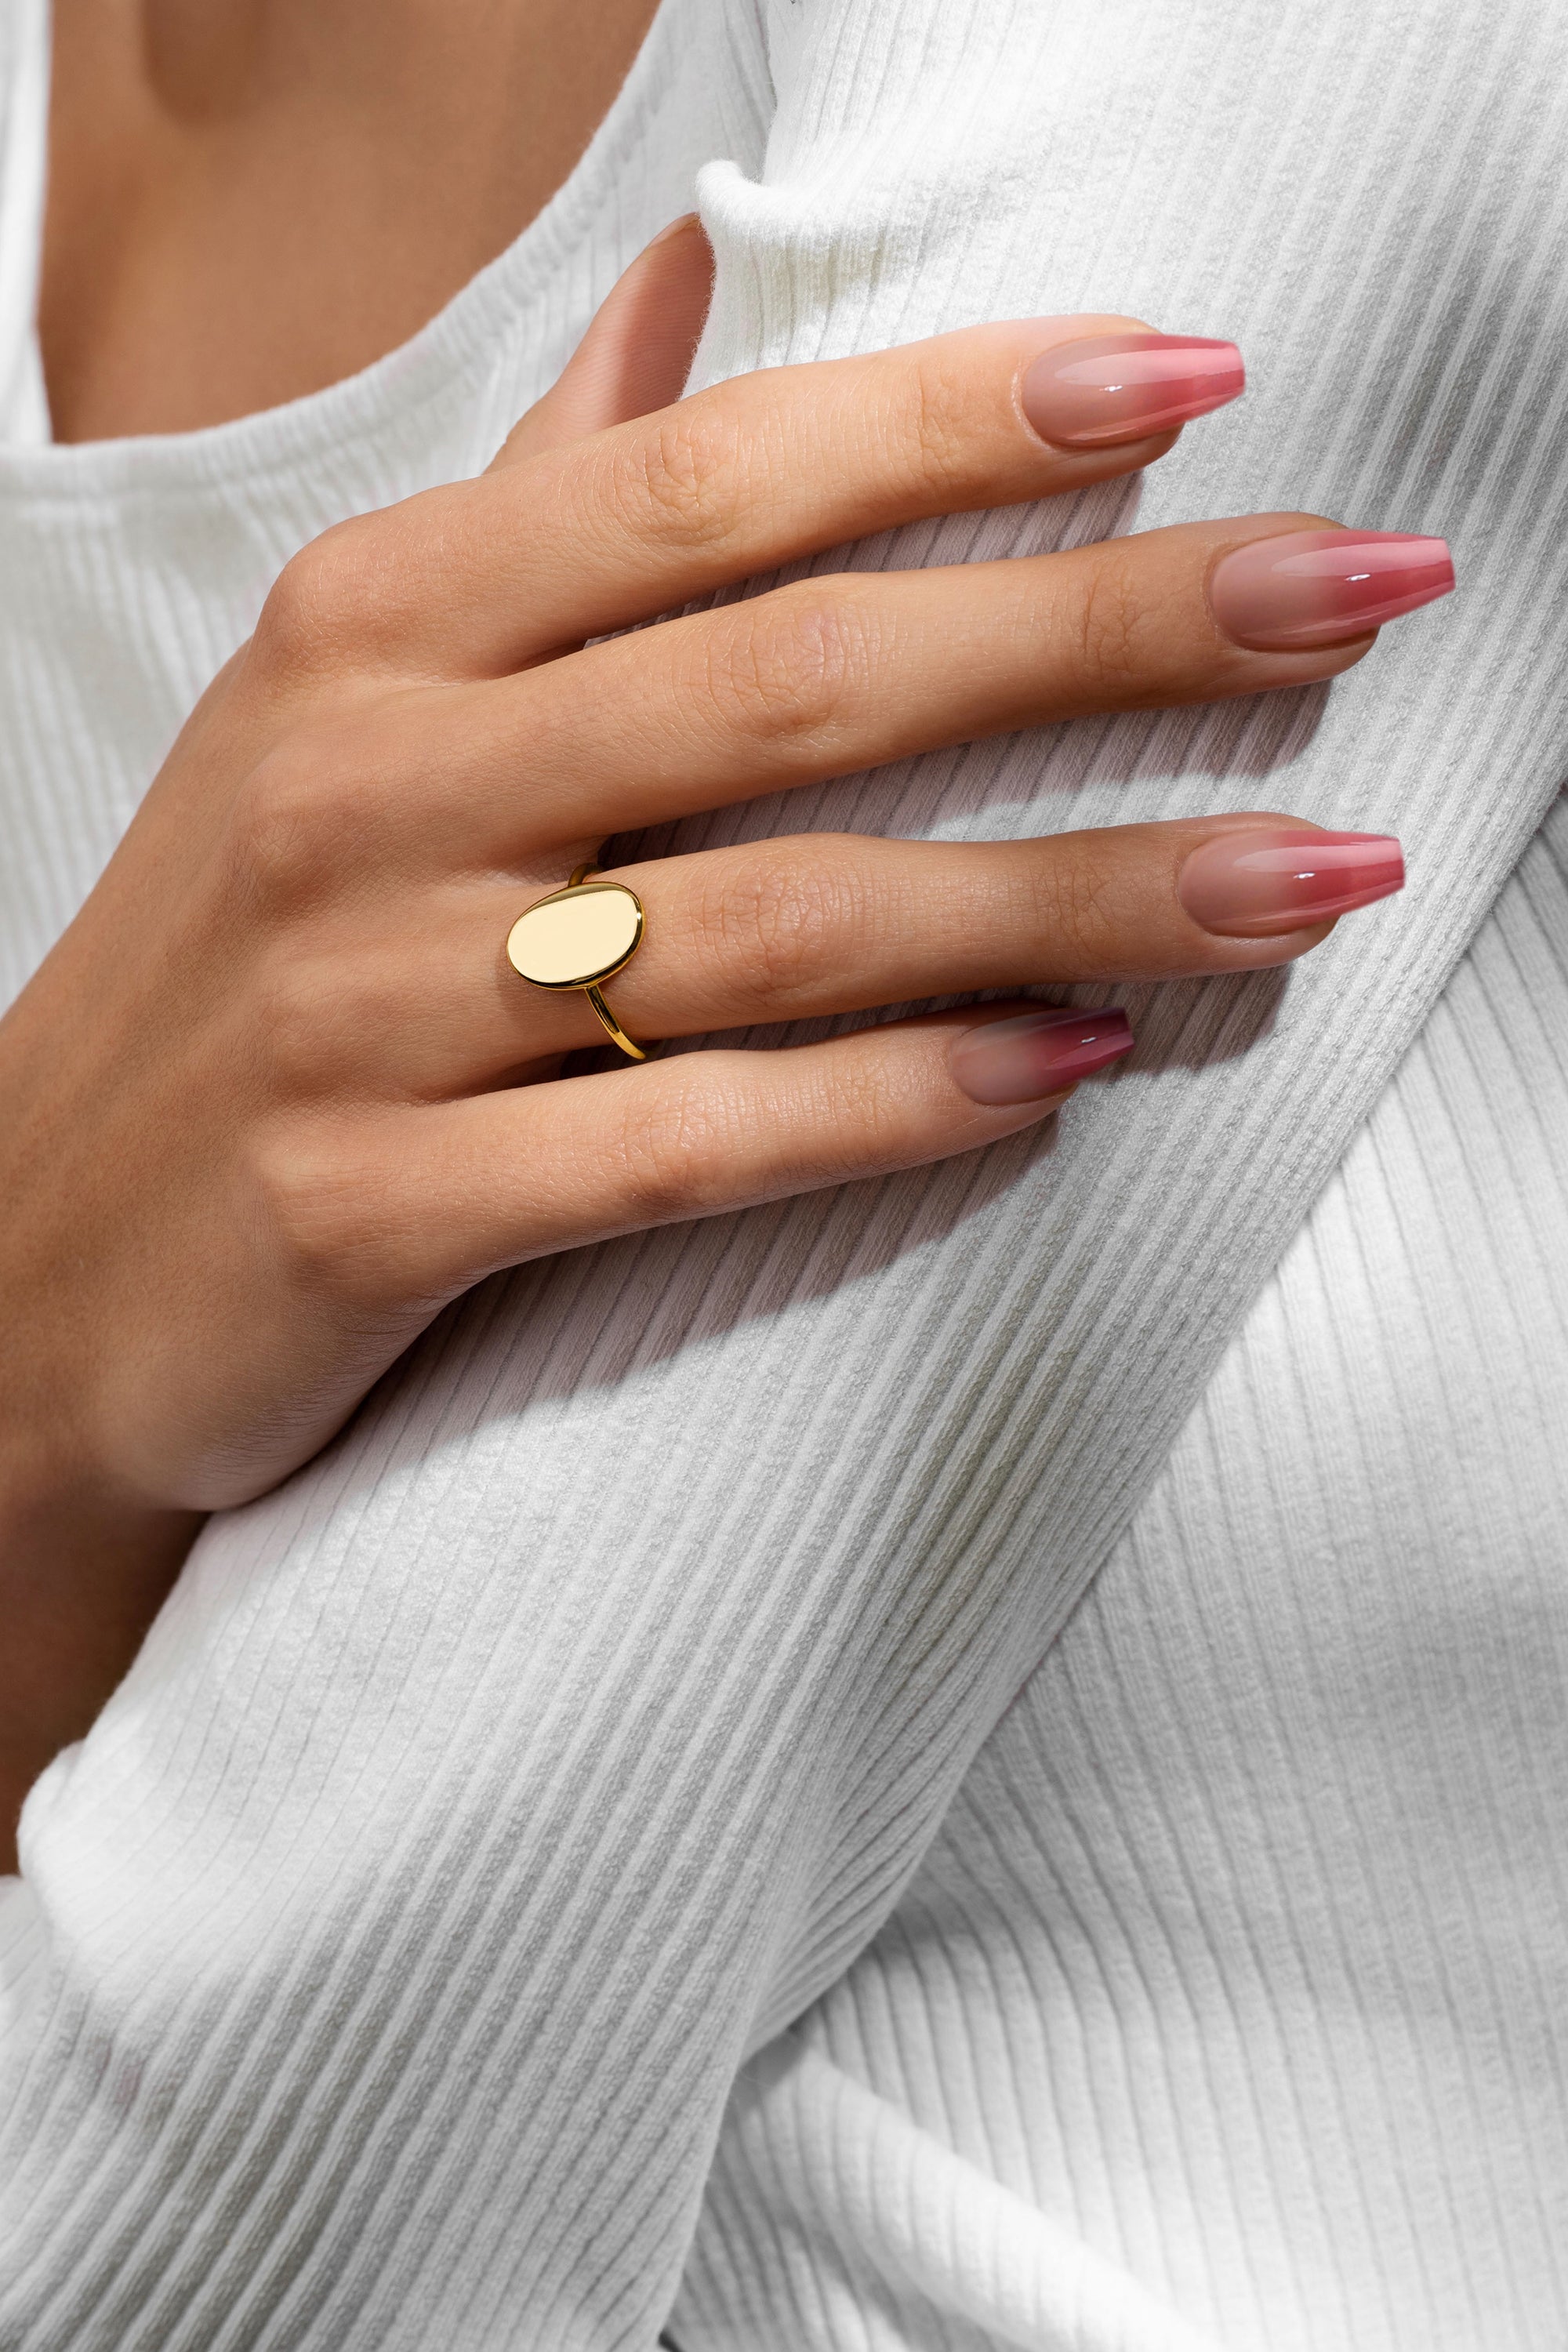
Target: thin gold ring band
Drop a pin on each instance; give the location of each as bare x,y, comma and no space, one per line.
577,937
617,1036
616,1033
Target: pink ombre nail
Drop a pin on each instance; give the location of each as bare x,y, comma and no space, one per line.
1110,388
1309,588
1256,885
1029,1054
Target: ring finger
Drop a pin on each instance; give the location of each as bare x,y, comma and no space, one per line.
822,924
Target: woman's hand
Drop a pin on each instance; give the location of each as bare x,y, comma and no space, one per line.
277,1095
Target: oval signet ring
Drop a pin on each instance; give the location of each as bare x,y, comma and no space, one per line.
578,937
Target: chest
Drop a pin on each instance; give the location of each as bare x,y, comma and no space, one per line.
253,200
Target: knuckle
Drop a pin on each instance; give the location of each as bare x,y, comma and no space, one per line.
1073,902
331,1194
304,1009
775,924
354,598
680,482
285,829
320,601
866,1122
286,1014
1110,629
310,1193
939,432
1132,641
677,1144
789,664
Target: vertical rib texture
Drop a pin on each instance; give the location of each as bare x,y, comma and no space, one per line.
1239,1966
384,1957
24,112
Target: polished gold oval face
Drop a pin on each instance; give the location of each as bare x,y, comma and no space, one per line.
576,936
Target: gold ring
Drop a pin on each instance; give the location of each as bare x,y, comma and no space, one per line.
577,937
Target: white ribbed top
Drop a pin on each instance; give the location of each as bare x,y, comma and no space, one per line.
383,1960
1233,1987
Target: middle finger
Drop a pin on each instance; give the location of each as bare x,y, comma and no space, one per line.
831,676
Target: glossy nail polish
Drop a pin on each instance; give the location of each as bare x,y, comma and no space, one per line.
1028,1055
1258,885
1308,588
1110,388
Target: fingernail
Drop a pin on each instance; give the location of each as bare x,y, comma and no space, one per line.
1255,885
1309,588
1110,388
1033,1054
680,227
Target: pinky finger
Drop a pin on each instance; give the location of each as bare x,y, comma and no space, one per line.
523,1173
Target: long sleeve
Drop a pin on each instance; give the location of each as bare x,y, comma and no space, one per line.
383,1957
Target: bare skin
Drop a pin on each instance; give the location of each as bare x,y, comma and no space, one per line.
251,199
319,1105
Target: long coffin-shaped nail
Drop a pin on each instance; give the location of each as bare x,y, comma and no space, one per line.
1308,588
1110,388
1029,1054
1259,885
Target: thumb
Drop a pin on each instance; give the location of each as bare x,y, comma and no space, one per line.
637,352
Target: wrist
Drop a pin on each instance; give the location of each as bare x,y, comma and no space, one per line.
84,1570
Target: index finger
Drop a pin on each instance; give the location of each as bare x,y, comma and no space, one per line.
575,541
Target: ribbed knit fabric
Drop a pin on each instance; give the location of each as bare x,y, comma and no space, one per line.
1228,2006
384,1958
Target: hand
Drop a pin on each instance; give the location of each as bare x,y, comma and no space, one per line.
277,1097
